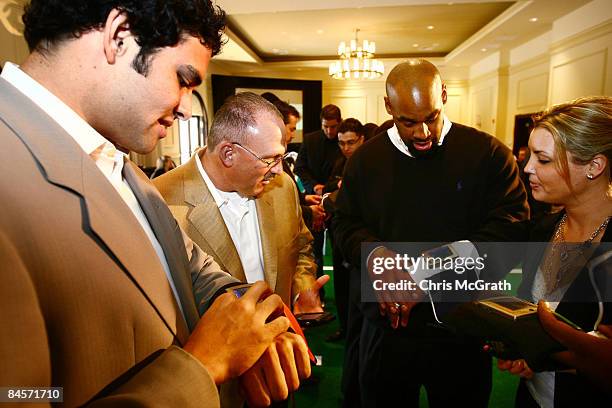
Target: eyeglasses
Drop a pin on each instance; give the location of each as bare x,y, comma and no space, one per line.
269,163
348,143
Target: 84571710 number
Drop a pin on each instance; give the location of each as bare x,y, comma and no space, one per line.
31,394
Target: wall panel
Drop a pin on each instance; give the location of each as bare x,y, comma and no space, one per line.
581,76
532,91
352,106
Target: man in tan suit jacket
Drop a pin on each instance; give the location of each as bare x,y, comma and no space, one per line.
100,287
230,164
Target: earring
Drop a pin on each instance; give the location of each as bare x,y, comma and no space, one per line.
589,176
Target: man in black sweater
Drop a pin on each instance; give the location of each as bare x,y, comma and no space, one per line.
423,180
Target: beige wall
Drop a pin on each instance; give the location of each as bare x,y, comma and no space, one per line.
581,65
361,100
574,59
13,47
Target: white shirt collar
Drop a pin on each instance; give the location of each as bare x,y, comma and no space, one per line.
82,133
401,146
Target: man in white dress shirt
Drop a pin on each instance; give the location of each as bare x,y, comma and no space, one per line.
234,200
101,291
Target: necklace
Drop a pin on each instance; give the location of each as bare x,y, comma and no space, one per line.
566,255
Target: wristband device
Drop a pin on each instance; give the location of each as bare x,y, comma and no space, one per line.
240,290
458,249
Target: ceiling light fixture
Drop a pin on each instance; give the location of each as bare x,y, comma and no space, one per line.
533,19
356,61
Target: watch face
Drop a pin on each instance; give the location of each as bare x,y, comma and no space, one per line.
239,290
441,252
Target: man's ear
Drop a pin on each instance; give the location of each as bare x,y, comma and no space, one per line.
226,154
444,95
116,30
388,106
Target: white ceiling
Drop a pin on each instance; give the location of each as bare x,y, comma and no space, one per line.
288,34
278,35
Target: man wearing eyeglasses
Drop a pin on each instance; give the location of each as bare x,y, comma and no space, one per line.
350,137
234,200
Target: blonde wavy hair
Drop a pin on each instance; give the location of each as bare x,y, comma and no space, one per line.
582,127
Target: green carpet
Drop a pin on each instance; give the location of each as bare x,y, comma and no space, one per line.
323,388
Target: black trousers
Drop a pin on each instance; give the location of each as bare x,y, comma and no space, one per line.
393,367
350,371
341,283
317,249
523,397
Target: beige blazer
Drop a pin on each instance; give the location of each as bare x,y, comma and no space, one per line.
289,266
84,301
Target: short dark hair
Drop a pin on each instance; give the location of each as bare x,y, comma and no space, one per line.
156,24
270,97
369,130
235,116
331,112
351,125
286,110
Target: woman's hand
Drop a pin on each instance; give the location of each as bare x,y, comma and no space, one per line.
516,367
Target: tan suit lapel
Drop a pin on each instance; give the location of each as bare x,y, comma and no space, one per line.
106,217
128,242
267,226
206,218
167,233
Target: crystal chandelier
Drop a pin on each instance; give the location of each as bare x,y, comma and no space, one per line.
356,61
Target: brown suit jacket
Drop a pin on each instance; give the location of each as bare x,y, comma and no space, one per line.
289,265
84,301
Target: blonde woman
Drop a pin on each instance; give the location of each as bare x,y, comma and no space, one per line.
571,154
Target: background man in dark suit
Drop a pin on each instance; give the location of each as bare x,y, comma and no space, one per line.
314,215
100,287
319,152
317,156
350,138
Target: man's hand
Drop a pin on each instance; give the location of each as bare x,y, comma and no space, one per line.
233,334
278,372
395,305
313,199
318,189
309,300
319,216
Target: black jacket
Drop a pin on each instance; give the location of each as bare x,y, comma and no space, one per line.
316,158
580,304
